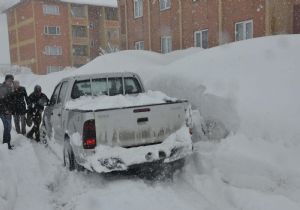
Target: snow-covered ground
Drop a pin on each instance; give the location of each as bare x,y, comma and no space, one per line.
251,88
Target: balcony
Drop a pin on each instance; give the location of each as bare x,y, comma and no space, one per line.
111,24
80,35
78,11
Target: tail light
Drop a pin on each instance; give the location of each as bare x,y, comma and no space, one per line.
89,135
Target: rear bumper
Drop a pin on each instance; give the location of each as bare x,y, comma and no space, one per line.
107,159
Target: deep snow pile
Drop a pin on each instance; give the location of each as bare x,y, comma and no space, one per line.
250,87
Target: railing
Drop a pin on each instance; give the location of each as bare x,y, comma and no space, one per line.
111,23
80,40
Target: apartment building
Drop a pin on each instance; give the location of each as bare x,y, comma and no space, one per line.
49,35
166,25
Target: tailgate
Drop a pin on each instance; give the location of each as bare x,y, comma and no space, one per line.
137,126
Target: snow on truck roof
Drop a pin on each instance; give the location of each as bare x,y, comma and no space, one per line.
97,75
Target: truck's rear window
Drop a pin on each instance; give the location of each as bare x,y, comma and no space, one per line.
115,86
99,87
81,88
106,86
132,85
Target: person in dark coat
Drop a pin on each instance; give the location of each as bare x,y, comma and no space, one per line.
36,102
6,104
19,109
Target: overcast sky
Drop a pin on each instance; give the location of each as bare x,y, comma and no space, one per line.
4,49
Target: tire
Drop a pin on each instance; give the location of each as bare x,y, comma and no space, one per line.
69,158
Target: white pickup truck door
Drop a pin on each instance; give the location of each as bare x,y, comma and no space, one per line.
53,110
57,117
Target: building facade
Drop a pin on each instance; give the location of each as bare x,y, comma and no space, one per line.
49,35
166,25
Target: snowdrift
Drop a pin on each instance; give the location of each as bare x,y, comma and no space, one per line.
250,87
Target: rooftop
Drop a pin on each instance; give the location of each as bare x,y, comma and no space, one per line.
107,3
4,4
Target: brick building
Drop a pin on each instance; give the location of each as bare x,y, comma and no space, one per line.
49,35
166,25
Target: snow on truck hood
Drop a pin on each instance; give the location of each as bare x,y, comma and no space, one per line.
118,101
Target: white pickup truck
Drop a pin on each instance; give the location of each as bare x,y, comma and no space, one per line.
108,122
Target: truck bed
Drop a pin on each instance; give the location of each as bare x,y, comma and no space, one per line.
139,125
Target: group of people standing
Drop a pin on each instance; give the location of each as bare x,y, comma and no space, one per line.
25,110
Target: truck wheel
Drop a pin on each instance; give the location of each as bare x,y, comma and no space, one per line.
69,159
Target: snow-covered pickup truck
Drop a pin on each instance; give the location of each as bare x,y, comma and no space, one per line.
107,122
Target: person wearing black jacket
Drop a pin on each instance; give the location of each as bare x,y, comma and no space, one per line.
19,108
36,102
6,104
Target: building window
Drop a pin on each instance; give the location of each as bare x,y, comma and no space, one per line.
78,11
50,9
93,43
138,8
139,45
80,50
166,44
164,4
51,69
52,30
53,50
201,39
244,30
111,13
79,31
